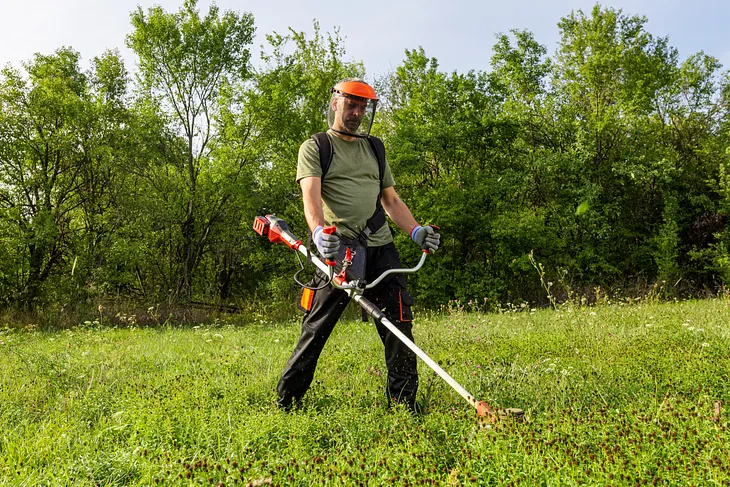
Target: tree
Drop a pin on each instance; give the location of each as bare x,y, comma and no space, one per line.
106,144
184,61
57,166
450,158
40,162
611,72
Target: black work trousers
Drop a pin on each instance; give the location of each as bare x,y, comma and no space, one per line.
326,308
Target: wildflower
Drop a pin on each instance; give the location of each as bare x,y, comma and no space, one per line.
648,325
705,345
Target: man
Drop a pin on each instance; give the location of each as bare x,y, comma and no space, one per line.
347,198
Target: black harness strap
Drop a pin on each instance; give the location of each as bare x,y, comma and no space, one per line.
377,220
326,153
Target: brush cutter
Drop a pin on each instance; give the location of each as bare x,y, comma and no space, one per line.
278,231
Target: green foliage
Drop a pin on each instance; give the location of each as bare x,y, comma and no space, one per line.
603,160
57,172
607,162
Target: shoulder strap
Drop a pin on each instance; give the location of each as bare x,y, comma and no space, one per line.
379,149
377,220
325,151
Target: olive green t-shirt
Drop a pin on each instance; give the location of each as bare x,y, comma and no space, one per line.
350,187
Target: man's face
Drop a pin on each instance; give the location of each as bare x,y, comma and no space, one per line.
349,112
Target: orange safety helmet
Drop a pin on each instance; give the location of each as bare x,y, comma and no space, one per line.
352,108
355,87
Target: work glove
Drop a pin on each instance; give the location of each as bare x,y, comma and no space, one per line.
426,237
327,244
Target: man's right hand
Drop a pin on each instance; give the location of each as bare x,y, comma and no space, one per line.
327,244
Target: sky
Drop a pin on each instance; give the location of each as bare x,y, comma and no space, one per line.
458,33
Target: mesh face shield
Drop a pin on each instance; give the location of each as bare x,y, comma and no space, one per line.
350,114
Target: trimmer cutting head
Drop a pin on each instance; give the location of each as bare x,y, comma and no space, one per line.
486,413
484,409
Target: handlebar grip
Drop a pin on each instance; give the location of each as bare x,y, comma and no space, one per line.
329,231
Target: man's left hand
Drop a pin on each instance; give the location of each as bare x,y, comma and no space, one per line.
426,237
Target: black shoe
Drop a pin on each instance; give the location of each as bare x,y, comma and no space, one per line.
412,407
416,409
286,404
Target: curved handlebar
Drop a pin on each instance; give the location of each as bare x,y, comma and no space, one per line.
384,275
398,271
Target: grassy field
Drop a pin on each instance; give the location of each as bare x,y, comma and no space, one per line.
613,395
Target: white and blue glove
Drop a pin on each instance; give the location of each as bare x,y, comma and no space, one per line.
328,244
426,237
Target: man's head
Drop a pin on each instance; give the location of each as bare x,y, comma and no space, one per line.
352,108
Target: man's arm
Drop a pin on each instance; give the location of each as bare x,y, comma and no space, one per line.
425,236
312,197
327,244
397,210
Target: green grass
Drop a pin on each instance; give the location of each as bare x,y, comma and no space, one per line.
617,395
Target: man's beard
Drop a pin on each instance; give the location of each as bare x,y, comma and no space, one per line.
352,124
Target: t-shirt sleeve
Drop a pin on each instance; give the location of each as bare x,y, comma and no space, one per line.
308,161
388,180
